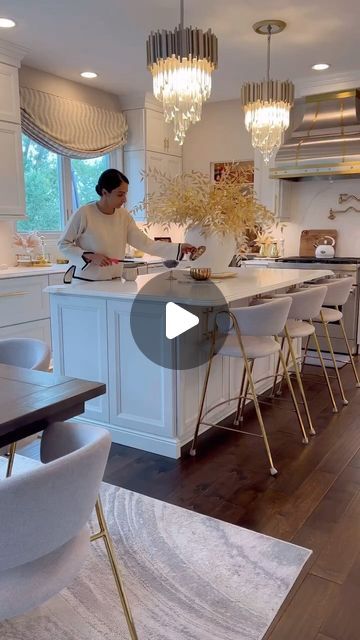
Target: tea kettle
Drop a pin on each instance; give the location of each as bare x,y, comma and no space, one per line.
325,250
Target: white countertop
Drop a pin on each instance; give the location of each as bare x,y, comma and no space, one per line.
19,272
246,283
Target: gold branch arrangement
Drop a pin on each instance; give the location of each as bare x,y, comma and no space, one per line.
228,206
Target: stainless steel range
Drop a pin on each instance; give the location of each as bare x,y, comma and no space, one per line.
342,267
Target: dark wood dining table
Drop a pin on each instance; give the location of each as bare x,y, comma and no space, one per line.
31,400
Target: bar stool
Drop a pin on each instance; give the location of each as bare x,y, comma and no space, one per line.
251,333
338,291
306,305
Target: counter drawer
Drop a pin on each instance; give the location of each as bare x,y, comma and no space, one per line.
38,329
23,300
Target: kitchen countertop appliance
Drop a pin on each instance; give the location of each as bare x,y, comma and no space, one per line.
326,250
342,267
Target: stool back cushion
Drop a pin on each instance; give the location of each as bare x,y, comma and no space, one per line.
306,303
338,291
25,352
266,319
44,508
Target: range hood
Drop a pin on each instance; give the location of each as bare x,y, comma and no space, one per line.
327,140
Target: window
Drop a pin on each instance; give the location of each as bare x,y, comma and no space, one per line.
42,188
56,186
84,176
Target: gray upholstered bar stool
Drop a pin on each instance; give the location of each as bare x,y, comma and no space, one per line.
251,333
306,305
338,291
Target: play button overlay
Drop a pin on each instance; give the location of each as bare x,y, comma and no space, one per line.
171,319
178,320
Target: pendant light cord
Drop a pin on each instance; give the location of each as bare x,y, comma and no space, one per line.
181,14
269,29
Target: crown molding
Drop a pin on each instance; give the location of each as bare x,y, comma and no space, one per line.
11,53
326,82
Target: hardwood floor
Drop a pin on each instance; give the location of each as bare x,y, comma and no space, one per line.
313,502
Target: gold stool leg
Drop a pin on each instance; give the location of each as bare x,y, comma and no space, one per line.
350,354
203,395
273,470
327,380
305,353
11,459
341,389
273,390
279,391
104,534
293,396
243,394
300,383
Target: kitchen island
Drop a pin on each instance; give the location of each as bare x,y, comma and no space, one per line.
148,406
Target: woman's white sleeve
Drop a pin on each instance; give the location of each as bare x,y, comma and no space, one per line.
139,240
68,241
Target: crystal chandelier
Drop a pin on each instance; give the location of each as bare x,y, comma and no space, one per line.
181,63
267,104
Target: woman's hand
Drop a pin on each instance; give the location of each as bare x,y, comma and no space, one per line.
187,248
97,259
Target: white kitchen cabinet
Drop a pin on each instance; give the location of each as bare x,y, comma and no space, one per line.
38,329
23,300
160,134
150,145
272,193
80,349
24,306
12,191
9,94
171,165
141,397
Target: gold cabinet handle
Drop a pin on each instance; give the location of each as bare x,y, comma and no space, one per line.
11,294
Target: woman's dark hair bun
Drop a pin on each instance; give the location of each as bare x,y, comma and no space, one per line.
109,180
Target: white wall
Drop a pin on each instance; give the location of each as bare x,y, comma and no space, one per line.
220,136
310,205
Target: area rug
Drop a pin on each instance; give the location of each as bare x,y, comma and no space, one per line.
187,576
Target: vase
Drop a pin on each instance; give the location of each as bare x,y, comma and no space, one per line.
220,249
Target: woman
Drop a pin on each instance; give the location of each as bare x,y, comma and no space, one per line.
96,235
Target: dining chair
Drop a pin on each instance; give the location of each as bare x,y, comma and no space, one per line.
28,353
44,538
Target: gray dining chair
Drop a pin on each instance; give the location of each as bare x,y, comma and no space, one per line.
28,353
44,538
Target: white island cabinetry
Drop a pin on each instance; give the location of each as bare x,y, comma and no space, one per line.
148,406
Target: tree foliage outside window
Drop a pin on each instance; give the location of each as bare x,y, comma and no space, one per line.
84,175
42,188
45,192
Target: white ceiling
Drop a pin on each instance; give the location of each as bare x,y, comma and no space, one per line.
65,37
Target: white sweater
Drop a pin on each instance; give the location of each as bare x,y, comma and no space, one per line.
90,230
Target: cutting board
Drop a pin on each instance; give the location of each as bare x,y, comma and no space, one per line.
309,237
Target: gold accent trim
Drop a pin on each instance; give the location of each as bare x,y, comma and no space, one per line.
261,27
332,95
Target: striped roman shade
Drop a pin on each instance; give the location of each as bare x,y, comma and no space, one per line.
68,127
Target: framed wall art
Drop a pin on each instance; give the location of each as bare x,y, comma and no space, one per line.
243,168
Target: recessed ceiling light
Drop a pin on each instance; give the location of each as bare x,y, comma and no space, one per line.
321,66
6,23
88,74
